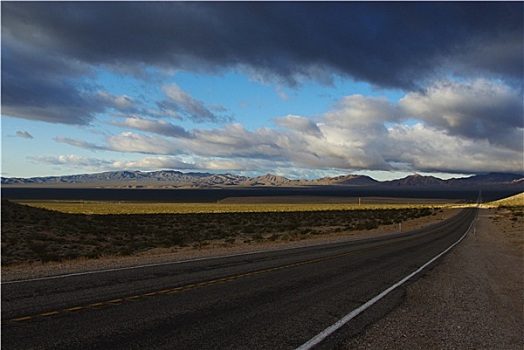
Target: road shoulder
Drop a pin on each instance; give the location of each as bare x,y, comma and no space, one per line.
472,300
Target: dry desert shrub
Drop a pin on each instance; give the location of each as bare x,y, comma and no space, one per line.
37,235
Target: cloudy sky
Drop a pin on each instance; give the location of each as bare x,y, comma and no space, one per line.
302,90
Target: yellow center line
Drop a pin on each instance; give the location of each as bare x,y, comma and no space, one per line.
164,291
116,300
96,305
49,313
76,308
196,285
25,318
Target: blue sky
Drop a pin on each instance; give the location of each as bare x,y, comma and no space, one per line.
302,90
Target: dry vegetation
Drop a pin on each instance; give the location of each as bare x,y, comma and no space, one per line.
234,205
510,220
513,201
32,234
508,215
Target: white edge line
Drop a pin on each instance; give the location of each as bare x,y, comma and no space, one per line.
335,326
147,265
128,268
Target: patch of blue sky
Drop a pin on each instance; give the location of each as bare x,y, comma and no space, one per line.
247,101
143,92
406,122
250,103
347,86
122,84
41,132
20,153
255,104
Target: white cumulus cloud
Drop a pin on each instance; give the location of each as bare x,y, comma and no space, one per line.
454,127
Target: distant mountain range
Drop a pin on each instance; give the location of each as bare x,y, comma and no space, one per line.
176,179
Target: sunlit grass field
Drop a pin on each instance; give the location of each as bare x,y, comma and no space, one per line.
513,201
75,207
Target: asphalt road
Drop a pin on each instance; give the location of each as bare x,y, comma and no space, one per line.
271,300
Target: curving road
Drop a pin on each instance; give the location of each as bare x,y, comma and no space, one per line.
270,300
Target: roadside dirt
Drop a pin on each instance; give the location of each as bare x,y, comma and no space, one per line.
473,299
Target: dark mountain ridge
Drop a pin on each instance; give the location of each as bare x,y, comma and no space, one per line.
177,179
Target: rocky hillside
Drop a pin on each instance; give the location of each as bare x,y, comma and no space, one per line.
177,179
418,181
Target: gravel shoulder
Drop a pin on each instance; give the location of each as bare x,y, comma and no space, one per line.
473,299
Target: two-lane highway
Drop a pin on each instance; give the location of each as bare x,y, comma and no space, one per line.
271,300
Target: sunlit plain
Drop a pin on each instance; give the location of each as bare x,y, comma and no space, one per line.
180,208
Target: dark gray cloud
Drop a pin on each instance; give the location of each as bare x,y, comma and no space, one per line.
395,45
480,109
24,135
183,103
160,127
421,148
81,144
37,85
